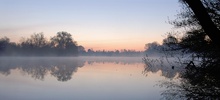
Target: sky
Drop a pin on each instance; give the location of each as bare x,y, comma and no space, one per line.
96,24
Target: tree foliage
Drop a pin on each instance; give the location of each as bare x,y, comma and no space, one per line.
203,14
196,40
201,40
64,43
37,45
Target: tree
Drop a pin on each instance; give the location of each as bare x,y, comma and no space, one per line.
170,40
62,40
81,50
152,49
38,40
64,44
152,45
36,45
4,43
199,80
204,19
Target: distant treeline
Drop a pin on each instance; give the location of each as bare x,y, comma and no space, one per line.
168,47
60,45
37,45
124,52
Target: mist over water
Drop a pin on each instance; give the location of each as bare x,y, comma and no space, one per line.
83,78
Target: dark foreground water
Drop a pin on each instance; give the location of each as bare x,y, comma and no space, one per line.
81,78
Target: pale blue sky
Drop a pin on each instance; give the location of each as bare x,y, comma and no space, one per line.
97,24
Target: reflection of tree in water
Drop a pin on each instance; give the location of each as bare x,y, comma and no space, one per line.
4,71
37,72
204,82
4,68
38,67
195,83
63,73
62,68
155,65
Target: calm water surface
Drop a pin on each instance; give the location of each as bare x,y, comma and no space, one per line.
80,78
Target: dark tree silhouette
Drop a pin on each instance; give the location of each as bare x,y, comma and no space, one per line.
4,43
7,47
62,40
204,19
37,45
64,43
38,40
199,80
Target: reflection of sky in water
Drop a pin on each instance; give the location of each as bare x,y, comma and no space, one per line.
89,79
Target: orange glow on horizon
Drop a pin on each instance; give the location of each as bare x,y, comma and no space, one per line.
107,46
120,45
102,43
113,46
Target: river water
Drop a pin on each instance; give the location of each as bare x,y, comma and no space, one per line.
81,78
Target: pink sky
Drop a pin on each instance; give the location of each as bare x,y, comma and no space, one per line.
97,24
